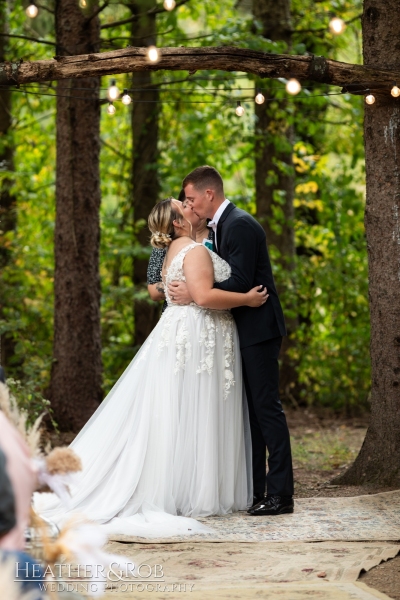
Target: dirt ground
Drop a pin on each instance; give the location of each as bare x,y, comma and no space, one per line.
323,446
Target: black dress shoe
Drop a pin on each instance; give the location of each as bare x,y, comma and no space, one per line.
273,505
257,498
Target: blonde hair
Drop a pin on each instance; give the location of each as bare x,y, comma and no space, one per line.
160,223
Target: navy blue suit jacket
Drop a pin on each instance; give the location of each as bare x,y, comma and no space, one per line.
242,243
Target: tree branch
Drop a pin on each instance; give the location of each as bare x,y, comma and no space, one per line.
25,37
354,78
322,29
98,10
42,7
152,11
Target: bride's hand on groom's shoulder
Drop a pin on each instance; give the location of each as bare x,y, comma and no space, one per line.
179,293
257,296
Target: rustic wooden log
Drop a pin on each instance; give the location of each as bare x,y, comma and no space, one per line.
311,68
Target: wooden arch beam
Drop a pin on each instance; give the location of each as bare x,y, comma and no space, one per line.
312,68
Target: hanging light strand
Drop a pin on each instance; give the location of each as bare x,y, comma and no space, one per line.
153,54
260,98
337,25
395,91
126,99
113,91
370,99
169,4
32,10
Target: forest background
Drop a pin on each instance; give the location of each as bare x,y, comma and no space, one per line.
322,280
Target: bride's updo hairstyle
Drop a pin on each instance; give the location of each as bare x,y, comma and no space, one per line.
160,223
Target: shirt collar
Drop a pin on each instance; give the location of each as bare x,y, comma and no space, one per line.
214,222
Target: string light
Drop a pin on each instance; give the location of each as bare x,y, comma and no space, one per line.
113,91
370,99
32,10
293,87
126,99
111,108
239,110
153,54
169,4
337,25
260,99
82,3
395,91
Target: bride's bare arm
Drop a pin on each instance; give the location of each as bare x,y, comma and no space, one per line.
199,274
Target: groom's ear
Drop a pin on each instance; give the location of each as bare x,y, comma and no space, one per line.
210,195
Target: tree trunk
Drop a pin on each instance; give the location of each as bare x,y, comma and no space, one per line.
145,185
275,178
75,389
8,209
379,457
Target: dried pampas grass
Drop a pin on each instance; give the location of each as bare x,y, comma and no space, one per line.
63,460
55,470
19,418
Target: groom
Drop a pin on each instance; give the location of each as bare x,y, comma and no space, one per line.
240,240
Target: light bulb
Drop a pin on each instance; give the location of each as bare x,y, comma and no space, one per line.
82,3
153,54
239,110
370,99
32,10
337,25
111,108
126,99
293,86
260,99
113,91
169,4
395,91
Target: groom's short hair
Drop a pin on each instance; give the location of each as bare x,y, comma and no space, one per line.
205,177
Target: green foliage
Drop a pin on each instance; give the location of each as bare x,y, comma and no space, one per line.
327,289
29,399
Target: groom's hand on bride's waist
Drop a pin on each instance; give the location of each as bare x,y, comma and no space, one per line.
179,293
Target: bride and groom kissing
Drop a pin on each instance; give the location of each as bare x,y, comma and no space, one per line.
185,430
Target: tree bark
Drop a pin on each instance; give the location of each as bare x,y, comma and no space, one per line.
275,178
8,208
356,78
379,457
145,185
75,389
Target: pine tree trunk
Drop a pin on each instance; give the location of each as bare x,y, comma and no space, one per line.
145,185
275,177
379,457
8,208
75,389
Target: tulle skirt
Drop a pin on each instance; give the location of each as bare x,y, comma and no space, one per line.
171,441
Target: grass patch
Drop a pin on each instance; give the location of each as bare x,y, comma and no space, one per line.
326,449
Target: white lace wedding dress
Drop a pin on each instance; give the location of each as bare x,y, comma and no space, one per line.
172,437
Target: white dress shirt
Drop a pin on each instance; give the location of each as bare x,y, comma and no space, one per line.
214,223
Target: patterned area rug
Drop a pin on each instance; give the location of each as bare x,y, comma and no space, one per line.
211,565
361,518
282,591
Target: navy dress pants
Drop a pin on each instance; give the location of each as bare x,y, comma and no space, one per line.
268,425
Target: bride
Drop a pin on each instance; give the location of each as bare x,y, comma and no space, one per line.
171,440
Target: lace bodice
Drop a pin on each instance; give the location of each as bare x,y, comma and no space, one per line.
214,325
175,272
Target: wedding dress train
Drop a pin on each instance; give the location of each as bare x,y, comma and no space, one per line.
172,439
